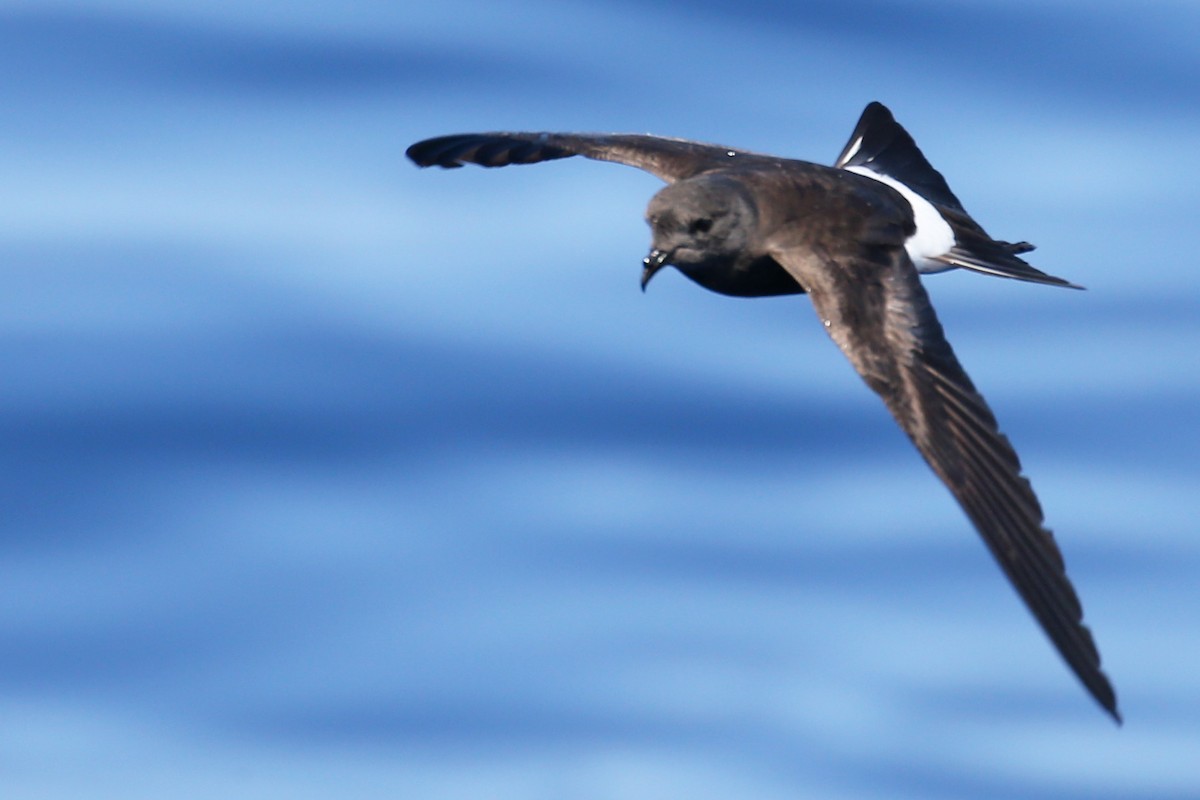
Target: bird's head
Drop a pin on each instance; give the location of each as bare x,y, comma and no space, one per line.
699,225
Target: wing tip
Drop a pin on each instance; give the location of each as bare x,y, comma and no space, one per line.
432,152
883,146
1104,694
486,150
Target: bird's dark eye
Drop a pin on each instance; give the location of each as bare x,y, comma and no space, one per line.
702,225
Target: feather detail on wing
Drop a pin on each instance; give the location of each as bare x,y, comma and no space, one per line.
881,148
876,310
667,159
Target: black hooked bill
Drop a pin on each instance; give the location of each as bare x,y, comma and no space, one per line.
652,264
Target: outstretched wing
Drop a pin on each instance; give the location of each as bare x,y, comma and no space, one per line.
881,148
668,159
876,310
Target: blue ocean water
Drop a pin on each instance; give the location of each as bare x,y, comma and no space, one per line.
324,476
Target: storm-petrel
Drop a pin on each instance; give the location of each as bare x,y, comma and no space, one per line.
854,238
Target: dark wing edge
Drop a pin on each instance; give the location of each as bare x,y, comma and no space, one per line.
667,159
878,313
882,146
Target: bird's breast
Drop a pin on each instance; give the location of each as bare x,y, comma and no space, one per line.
758,277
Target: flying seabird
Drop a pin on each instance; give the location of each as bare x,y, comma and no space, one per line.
854,237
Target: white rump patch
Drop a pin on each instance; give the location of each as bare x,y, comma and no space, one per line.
934,237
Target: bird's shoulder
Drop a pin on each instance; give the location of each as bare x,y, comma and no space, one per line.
833,214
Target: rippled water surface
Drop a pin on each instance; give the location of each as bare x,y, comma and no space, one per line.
328,477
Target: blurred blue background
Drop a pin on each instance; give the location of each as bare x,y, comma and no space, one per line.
324,476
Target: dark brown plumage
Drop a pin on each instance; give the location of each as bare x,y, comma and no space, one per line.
853,237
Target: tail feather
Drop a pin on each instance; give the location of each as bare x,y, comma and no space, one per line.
880,146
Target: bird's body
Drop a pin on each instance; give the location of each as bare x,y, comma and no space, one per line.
854,237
